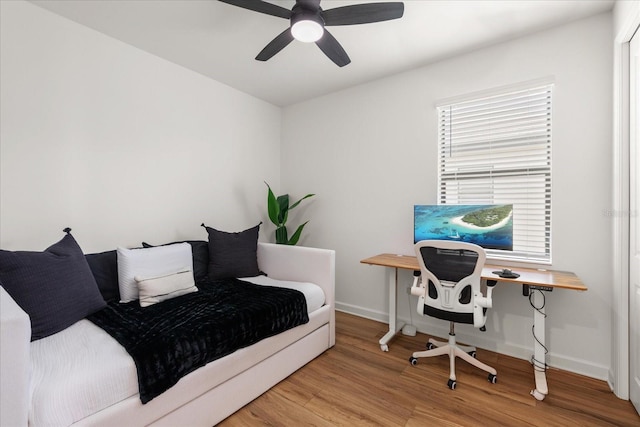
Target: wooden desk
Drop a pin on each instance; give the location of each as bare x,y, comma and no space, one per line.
531,280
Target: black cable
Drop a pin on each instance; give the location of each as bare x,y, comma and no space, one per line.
544,300
538,365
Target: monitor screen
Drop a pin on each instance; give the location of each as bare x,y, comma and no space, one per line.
489,226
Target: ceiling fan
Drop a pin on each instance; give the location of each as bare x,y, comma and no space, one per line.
308,22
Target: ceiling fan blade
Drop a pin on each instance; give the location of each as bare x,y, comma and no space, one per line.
276,45
261,6
363,13
330,46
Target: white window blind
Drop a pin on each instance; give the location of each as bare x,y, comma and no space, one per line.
497,150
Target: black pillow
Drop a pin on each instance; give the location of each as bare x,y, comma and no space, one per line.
200,253
54,287
104,266
233,254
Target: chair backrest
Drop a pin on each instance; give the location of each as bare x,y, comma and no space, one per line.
451,274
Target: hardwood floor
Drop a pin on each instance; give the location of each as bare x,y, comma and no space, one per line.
355,383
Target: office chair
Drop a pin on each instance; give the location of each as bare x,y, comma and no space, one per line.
449,289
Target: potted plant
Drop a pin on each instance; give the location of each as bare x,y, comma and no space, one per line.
278,209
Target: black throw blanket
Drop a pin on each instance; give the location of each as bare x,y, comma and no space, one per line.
172,338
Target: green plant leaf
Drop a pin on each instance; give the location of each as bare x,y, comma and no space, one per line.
298,202
296,236
283,205
278,209
281,235
273,208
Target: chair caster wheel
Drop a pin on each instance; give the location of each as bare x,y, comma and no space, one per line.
413,361
472,354
452,384
430,346
493,378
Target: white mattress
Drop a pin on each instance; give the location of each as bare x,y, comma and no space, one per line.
312,292
64,366
82,369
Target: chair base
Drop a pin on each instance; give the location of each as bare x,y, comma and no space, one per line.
466,353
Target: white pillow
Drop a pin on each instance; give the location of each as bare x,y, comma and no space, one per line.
153,290
150,262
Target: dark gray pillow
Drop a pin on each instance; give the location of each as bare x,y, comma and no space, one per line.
200,252
233,254
54,287
104,266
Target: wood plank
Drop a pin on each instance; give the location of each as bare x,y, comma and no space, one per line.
408,262
528,276
354,383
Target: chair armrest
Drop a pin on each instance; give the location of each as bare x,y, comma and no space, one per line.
485,301
416,288
15,344
480,304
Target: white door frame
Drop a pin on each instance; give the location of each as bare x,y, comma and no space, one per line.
634,221
619,373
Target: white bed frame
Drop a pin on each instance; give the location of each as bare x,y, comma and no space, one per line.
211,393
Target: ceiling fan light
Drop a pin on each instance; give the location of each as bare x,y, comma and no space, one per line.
307,31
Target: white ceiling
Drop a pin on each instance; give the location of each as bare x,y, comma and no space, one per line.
221,41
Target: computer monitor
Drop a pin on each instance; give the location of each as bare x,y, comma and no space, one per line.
489,226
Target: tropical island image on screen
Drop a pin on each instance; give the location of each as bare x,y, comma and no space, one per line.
489,226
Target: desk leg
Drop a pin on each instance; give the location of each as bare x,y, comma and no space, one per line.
539,355
394,327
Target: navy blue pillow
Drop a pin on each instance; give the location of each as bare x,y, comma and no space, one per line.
233,254
200,254
54,287
104,266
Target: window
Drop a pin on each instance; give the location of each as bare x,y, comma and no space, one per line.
497,150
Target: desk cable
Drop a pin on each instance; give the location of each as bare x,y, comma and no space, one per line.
538,365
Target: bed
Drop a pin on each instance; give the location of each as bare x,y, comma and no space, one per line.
83,376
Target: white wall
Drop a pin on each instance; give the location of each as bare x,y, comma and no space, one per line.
121,145
369,152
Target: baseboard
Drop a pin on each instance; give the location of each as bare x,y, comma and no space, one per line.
579,366
356,310
611,382
554,360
